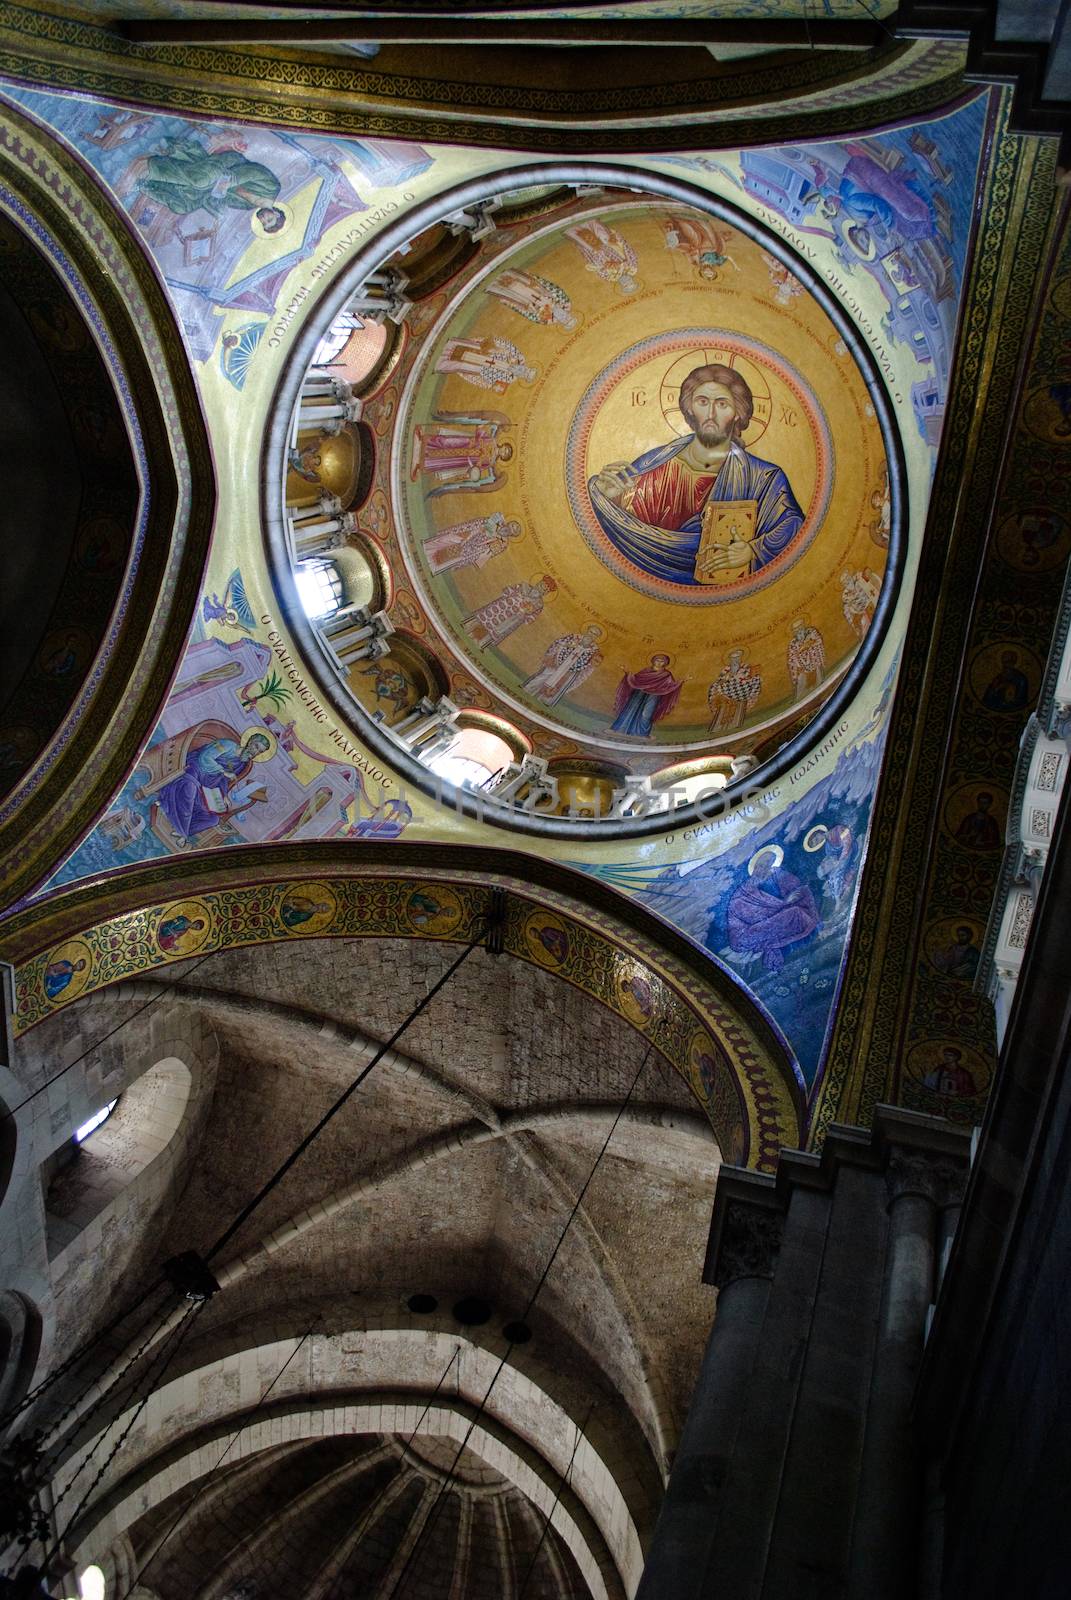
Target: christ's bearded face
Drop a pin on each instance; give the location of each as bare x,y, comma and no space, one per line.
712,413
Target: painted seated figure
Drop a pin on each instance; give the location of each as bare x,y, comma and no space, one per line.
197,779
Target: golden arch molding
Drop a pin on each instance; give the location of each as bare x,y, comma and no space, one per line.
588,935
53,199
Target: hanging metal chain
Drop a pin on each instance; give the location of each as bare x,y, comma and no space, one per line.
51,1461
154,1377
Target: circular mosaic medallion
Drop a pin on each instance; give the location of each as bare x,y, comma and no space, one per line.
547,938
183,928
67,970
433,909
307,908
630,512
948,1069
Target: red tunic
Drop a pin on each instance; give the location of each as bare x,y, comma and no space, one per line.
667,496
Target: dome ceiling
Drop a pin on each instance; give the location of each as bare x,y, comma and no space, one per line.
640,493
345,1516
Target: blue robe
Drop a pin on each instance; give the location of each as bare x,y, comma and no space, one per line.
669,553
213,766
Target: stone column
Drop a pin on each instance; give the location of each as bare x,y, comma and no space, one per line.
315,533
476,220
356,635
382,296
520,776
687,1524
421,714
425,720
327,416
325,385
885,1535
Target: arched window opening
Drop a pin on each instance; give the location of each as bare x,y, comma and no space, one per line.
91,1584
473,758
319,586
109,1151
94,1122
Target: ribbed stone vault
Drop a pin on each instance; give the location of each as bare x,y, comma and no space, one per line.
340,1517
451,1174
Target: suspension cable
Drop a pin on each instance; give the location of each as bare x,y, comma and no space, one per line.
119,1026
432,1515
489,928
84,1350
51,1460
563,1480
154,1376
295,1155
186,1510
430,1401
191,1271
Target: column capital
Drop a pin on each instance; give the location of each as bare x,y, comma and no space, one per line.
750,1238
933,1177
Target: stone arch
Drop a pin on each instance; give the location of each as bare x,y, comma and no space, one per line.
164,1070
21,1336
55,202
751,1093
135,1142
522,1431
10,1096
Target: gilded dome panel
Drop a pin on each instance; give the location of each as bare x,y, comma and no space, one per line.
639,484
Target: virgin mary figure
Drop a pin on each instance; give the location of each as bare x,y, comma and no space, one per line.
645,697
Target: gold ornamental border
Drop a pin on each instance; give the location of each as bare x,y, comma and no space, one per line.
794,96
881,1008
88,760
558,919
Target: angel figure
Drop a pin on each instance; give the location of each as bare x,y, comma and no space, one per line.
234,610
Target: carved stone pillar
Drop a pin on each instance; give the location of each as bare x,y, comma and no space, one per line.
317,531
424,722
746,1254
518,777
476,220
382,296
920,1186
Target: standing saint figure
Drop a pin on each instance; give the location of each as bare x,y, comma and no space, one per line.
569,660
464,451
859,596
606,252
1009,689
785,285
470,544
697,237
733,693
645,697
532,297
517,605
172,930
806,657
653,509
59,974
487,363
837,866
949,1075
